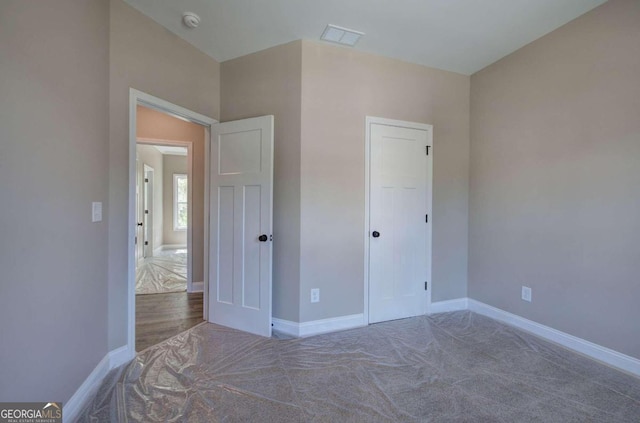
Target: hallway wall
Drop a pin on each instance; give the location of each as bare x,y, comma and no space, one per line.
54,119
147,57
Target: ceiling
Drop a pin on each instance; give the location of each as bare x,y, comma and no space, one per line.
461,36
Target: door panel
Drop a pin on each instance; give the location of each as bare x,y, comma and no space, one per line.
400,183
241,211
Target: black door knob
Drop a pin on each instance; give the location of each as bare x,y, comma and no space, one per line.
140,223
263,238
375,234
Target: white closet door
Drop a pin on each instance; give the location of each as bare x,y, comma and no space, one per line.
399,243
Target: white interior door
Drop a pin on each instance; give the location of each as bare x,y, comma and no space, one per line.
399,230
147,218
241,224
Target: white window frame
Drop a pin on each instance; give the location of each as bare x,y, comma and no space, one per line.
176,177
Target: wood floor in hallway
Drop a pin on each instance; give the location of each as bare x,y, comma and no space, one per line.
161,316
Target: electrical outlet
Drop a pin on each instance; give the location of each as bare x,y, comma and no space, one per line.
315,295
526,293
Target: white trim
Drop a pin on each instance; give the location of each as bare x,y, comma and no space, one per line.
135,98
449,305
595,351
197,287
172,247
148,204
317,327
89,387
113,359
370,120
120,356
286,326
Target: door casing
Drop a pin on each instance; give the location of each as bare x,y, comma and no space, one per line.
148,205
372,120
136,98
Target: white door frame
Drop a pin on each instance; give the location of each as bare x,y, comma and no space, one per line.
148,190
189,146
371,120
139,247
140,98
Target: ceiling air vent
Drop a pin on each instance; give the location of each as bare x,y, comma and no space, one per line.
345,36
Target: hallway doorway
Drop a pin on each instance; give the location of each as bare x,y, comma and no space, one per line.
169,271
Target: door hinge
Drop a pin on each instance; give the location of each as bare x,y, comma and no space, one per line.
147,179
146,243
426,218
426,285
146,212
428,149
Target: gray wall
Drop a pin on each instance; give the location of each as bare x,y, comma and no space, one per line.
150,156
555,176
145,56
268,83
172,165
339,88
53,164
320,96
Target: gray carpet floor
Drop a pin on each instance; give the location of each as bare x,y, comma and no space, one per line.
450,367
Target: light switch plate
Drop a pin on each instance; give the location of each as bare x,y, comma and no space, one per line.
96,211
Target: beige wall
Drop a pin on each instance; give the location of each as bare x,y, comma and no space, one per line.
147,57
268,83
320,96
156,125
53,164
150,156
339,88
555,172
177,165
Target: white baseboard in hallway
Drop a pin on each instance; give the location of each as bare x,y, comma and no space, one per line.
318,327
449,305
197,287
173,247
72,408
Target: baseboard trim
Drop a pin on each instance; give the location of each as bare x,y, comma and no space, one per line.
173,246
286,326
317,327
449,305
597,352
72,408
120,356
197,287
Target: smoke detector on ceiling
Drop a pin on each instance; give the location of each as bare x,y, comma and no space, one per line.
191,20
344,36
